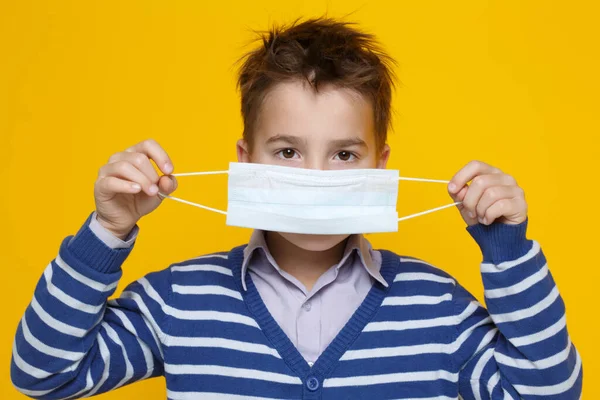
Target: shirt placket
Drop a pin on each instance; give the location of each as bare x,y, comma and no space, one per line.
308,327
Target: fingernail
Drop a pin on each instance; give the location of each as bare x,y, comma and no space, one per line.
452,187
485,221
153,189
135,186
168,168
471,214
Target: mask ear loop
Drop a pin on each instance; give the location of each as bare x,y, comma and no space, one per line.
404,178
200,173
164,196
429,211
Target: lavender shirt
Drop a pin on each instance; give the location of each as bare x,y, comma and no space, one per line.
312,319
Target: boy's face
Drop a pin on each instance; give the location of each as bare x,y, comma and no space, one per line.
331,129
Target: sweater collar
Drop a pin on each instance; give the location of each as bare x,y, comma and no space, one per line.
327,361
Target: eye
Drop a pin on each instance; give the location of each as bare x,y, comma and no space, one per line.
287,153
345,156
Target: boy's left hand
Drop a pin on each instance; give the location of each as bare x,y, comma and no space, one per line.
491,196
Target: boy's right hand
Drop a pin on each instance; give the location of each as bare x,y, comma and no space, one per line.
127,186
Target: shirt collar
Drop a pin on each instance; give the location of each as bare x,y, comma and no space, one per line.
355,242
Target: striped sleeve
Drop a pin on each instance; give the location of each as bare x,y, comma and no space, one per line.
519,347
72,341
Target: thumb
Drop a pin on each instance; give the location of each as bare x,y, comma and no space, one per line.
460,196
167,184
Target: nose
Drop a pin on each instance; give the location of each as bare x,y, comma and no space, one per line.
316,164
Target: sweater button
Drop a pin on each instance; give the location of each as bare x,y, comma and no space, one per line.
312,383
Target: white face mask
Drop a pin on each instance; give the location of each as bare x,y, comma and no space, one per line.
310,201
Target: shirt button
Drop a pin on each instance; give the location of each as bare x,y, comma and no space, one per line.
312,383
306,306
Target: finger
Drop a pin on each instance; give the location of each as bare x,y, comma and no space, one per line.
125,170
156,153
459,197
468,172
167,184
503,207
140,161
479,184
110,185
493,194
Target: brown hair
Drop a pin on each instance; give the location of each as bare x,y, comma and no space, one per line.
321,51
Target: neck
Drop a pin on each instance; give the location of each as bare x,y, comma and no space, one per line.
305,265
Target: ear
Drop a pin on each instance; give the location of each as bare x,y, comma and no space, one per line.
384,157
242,151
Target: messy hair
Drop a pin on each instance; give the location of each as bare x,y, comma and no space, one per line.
318,51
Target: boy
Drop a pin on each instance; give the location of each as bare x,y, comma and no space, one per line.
289,315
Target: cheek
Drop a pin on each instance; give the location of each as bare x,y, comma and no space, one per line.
372,162
368,161
260,156
267,159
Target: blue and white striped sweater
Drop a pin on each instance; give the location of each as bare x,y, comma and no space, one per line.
424,337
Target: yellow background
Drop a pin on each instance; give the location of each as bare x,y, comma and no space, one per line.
513,83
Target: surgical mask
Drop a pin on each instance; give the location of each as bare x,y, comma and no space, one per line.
310,201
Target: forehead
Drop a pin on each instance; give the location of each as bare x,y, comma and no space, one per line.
331,113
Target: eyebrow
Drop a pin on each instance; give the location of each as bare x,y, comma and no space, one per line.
295,140
349,142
